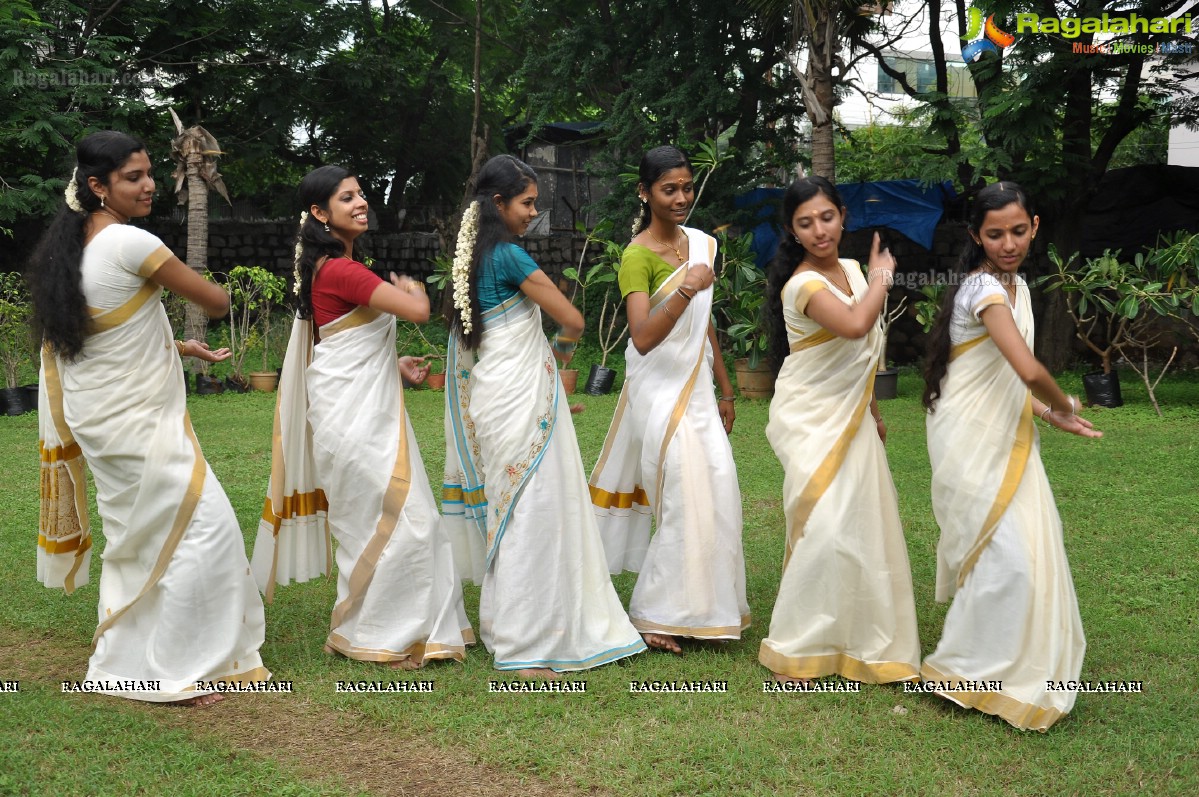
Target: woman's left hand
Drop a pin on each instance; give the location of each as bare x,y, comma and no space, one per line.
881,426
194,348
413,369
728,414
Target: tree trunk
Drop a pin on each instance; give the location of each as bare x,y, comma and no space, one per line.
1055,331
196,320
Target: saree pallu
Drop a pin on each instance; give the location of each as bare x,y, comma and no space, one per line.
667,456
177,602
346,464
515,500
1015,615
845,603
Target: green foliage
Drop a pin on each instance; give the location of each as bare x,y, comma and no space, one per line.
253,293
16,341
926,308
599,274
909,149
740,293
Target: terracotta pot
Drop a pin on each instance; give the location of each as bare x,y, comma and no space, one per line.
266,381
570,379
435,381
754,383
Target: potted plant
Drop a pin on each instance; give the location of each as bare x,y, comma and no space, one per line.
886,379
16,345
601,275
740,295
253,293
412,340
1114,304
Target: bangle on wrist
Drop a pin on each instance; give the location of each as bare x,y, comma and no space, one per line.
1045,412
888,276
878,419
181,347
727,398
564,345
688,296
666,309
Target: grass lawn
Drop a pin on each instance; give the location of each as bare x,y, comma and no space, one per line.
1129,504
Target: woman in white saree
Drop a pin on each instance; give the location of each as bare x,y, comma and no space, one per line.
178,610
515,495
667,453
345,461
1014,620
845,602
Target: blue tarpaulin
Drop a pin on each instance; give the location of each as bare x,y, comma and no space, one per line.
905,206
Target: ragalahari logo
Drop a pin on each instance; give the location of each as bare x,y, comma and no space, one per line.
992,40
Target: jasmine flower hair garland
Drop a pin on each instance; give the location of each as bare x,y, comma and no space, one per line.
463,254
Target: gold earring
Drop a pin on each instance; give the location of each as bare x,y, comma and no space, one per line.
101,202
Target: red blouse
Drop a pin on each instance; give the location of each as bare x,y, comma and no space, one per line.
339,286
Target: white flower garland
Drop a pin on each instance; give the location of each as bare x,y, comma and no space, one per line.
295,272
72,193
463,253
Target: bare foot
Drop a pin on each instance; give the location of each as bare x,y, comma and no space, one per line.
791,679
405,664
329,651
662,642
575,409
200,701
538,673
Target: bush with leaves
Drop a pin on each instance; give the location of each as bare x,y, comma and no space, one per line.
16,342
253,293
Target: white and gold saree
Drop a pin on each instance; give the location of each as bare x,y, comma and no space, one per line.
177,602
845,602
346,465
667,455
515,502
1014,616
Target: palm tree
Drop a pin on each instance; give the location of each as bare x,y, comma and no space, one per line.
195,151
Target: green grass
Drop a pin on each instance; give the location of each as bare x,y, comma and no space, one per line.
1130,510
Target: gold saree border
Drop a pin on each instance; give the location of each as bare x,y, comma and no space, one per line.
696,632
676,417
606,500
183,516
621,404
419,652
394,499
1024,716
811,341
72,458
807,290
154,261
105,320
824,474
355,318
962,348
256,675
1012,476
669,286
842,664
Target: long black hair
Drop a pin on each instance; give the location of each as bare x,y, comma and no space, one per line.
507,177
655,163
788,257
317,187
60,316
936,362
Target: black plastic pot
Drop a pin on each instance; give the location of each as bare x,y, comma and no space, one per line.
599,381
15,401
233,386
1103,390
886,384
208,385
31,395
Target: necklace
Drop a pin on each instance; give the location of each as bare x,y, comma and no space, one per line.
110,215
677,251
833,281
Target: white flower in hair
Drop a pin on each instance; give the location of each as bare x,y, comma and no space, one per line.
72,193
463,253
296,276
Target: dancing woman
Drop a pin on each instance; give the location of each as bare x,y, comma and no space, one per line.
845,602
178,606
1014,617
345,458
515,496
667,453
